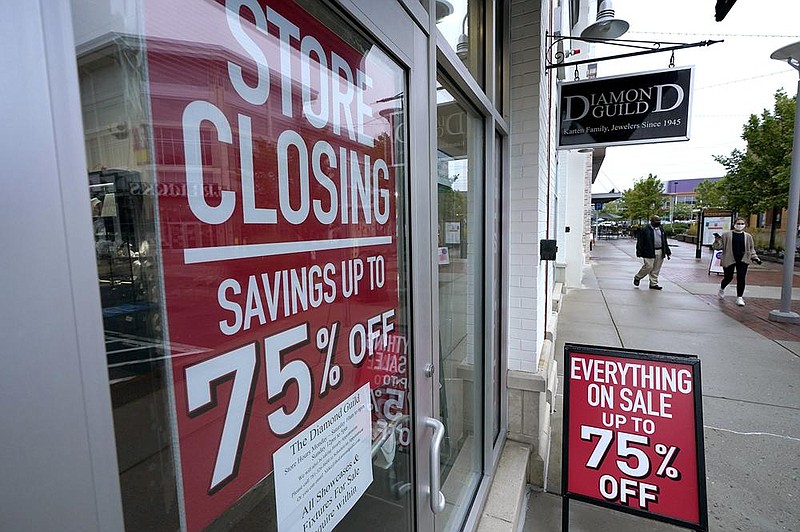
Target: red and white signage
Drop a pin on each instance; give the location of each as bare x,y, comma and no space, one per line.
278,240
633,437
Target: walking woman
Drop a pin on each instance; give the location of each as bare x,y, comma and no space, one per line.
737,252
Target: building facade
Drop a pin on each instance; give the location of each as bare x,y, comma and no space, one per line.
283,269
683,192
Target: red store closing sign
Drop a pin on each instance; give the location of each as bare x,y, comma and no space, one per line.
633,434
281,284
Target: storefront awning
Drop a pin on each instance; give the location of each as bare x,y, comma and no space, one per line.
598,154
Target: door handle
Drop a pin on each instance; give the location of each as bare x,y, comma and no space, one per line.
437,497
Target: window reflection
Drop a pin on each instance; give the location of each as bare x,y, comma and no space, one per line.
460,244
344,165
501,38
462,24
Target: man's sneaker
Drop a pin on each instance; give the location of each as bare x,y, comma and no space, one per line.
635,281
740,301
655,287
721,293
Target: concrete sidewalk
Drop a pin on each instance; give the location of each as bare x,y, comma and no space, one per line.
751,383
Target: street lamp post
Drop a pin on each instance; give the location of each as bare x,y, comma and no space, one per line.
790,54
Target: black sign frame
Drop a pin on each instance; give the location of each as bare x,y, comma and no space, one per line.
701,224
631,97
637,354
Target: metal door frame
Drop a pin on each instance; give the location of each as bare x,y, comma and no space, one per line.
56,398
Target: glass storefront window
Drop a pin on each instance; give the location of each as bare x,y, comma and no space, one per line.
248,188
460,185
462,24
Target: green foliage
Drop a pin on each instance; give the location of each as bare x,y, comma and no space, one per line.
453,205
758,178
711,194
644,199
616,207
681,211
675,229
762,237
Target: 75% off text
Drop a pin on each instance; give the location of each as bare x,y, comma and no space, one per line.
633,462
203,378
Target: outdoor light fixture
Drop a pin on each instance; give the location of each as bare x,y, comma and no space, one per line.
722,8
606,30
462,47
790,54
443,9
606,26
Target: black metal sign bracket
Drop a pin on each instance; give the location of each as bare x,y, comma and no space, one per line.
643,47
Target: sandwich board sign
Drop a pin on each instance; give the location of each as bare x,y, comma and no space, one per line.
633,434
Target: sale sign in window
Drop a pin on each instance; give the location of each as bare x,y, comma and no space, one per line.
278,152
633,437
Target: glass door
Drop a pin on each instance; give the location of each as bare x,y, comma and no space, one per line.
251,189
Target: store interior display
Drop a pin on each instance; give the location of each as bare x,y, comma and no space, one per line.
125,268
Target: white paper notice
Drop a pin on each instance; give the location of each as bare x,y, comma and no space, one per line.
452,233
323,471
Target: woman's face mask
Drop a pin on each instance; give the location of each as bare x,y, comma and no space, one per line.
739,227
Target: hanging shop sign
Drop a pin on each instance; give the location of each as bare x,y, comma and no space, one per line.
633,434
633,109
273,139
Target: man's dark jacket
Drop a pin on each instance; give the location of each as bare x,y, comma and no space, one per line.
645,246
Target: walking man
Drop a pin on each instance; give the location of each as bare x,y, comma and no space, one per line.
652,247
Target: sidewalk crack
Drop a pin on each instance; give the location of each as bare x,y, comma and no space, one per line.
752,433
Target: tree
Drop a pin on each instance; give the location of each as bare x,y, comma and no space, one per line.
616,208
681,211
757,179
645,199
711,194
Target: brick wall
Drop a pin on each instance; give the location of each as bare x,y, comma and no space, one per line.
528,301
